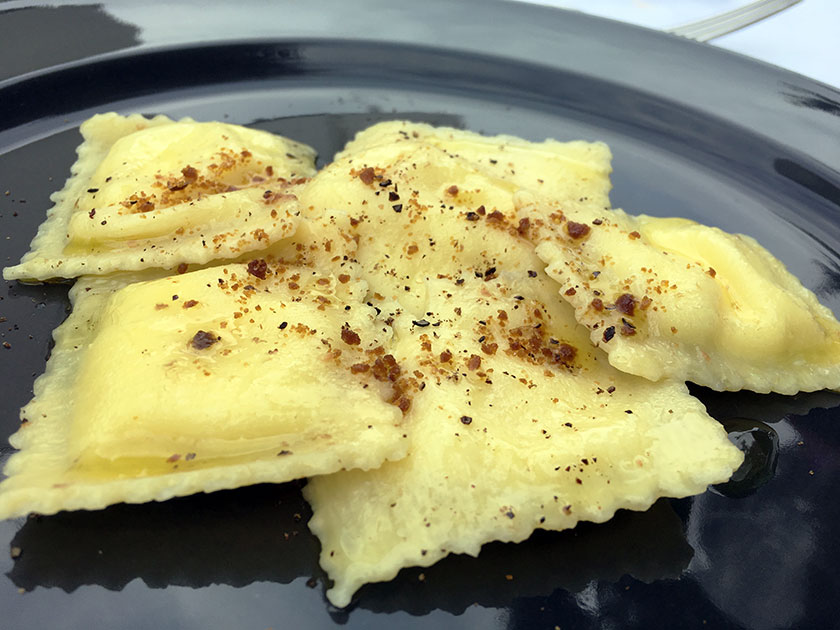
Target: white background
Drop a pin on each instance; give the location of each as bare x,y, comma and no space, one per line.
804,38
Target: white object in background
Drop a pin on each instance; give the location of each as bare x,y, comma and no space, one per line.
731,21
802,38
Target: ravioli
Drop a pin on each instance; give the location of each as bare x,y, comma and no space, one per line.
158,193
670,298
212,379
680,300
571,173
396,339
516,421
420,213
408,221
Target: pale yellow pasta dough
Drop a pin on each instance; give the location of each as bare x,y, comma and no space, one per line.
670,298
516,421
157,193
417,214
529,428
572,173
396,339
710,307
212,379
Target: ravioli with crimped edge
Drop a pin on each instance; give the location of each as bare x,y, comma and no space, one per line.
671,298
571,172
520,424
419,209
217,378
665,298
435,347
516,421
530,428
157,193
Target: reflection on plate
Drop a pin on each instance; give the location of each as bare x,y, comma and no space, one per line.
259,534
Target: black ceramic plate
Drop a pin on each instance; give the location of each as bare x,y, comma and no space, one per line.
695,132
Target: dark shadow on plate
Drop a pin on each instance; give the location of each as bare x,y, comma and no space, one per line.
647,545
830,284
767,408
810,99
808,179
259,533
749,419
230,537
760,444
779,542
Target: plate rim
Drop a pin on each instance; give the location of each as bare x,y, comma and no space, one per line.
744,91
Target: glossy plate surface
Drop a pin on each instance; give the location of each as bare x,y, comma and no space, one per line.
695,131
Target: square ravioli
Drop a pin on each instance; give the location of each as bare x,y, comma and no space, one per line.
626,275
574,172
517,423
212,379
157,193
671,298
419,212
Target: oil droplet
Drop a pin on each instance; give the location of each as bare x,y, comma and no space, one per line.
760,445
